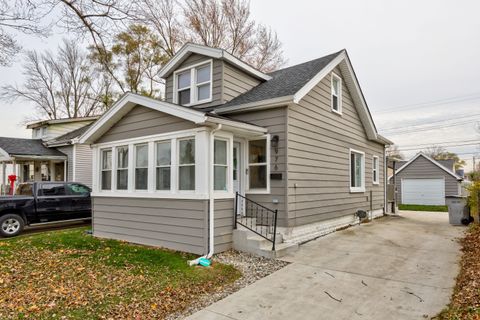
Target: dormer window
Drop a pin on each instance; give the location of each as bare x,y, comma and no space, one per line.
193,85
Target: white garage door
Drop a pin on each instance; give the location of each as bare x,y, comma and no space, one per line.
423,191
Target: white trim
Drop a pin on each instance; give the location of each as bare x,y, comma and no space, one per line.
247,165
339,96
190,48
429,159
362,187
74,164
375,169
193,83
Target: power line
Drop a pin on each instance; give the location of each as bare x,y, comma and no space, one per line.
432,122
462,98
432,127
445,146
440,143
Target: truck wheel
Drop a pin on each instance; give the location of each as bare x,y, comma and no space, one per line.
11,225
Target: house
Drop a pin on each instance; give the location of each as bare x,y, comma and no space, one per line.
52,154
294,154
425,181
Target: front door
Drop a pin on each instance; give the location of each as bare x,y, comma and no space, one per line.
238,183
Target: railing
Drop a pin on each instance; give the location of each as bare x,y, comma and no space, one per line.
256,218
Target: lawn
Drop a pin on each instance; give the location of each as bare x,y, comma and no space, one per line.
419,207
69,274
465,301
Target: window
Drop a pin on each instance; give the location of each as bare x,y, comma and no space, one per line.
52,189
122,168
357,171
163,163
194,85
186,164
220,165
78,189
44,131
257,164
141,167
336,93
376,170
106,169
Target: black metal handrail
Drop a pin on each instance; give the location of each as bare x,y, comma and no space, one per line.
256,218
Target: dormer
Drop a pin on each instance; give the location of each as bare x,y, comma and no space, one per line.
200,76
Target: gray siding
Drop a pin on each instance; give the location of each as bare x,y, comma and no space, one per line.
319,159
275,121
236,82
143,121
170,223
83,165
216,79
423,168
223,224
68,150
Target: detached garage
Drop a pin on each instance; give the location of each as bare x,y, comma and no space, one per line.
425,181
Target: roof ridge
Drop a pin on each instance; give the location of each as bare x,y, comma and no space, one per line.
306,62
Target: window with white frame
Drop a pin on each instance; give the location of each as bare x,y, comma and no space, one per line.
163,165
375,170
357,171
194,86
257,164
141,167
122,168
106,182
186,164
220,166
336,94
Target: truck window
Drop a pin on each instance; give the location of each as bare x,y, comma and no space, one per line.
52,189
24,189
78,189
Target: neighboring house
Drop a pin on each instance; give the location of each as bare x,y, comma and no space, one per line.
425,181
300,140
51,155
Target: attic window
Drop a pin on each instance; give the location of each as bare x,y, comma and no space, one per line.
193,85
336,93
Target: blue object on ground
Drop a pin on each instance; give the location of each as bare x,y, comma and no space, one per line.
204,262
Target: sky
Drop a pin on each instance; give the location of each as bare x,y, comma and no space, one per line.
417,62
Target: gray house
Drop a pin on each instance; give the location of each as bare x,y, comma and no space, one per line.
232,146
425,181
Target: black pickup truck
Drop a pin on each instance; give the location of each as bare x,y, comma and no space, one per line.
39,202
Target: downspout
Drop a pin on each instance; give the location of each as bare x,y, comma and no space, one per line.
211,200
385,180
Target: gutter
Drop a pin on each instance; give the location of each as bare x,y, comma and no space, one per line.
211,200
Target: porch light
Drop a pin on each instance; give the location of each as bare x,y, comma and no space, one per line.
274,143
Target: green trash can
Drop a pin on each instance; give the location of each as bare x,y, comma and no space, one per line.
457,209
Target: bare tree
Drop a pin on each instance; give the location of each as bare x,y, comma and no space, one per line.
439,153
393,152
59,85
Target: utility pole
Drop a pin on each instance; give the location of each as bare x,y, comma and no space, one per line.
474,167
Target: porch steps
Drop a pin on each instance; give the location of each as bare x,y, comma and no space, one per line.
247,241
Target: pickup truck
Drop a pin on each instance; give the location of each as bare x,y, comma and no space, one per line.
42,202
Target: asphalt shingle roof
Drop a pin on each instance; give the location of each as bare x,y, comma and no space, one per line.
284,82
30,147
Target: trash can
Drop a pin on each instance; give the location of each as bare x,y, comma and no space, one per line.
457,209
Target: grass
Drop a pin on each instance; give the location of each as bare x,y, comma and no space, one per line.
465,301
69,274
419,207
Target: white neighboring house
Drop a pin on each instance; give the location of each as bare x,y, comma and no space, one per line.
52,154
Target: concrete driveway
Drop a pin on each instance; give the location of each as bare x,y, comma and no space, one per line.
393,268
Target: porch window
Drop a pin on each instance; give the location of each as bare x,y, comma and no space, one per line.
375,170
257,164
220,165
106,169
163,165
336,95
186,164
194,85
357,171
122,168
141,167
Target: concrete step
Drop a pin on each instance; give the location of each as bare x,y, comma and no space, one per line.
247,241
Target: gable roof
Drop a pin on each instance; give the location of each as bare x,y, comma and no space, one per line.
129,100
27,147
40,123
190,48
435,162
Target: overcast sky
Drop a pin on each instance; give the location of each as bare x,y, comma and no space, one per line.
417,62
